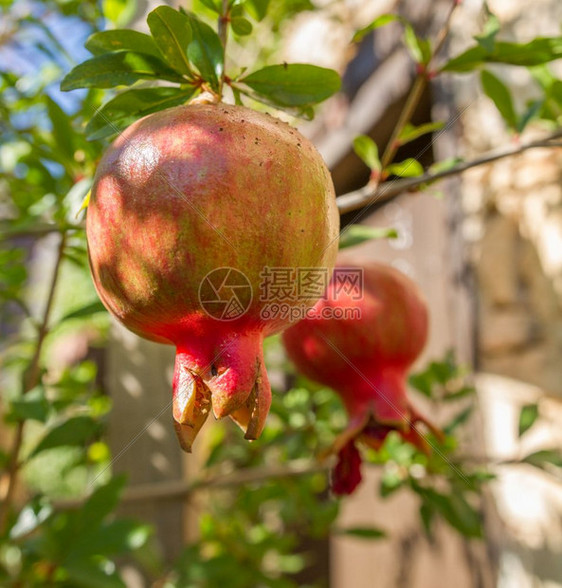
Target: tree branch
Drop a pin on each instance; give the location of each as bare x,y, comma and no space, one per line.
388,190
31,379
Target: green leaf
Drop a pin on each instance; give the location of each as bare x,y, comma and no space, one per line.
120,12
420,49
362,532
102,502
74,431
380,21
544,457
31,406
294,84
88,574
536,52
408,168
241,26
531,111
87,310
257,9
368,151
495,89
458,420
356,234
118,69
121,40
527,417
454,509
63,133
410,132
214,5
426,514
131,105
491,28
206,51
171,30
445,165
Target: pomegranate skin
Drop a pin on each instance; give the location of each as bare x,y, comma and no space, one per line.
365,359
183,193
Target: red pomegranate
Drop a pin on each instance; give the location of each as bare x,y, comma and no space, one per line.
189,206
360,340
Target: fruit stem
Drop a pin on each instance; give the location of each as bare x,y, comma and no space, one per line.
224,19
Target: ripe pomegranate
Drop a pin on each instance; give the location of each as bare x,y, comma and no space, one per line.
188,207
360,341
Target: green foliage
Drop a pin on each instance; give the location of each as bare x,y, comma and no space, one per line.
527,417
357,234
368,152
185,50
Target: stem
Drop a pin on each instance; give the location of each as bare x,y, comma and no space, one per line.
223,36
388,190
416,92
31,379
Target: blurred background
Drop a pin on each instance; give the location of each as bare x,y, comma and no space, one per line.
485,248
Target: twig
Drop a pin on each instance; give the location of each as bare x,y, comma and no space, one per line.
416,92
224,19
31,380
389,190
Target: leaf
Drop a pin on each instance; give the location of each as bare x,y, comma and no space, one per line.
454,509
213,5
131,105
362,532
121,40
88,574
527,417
368,151
257,9
410,132
495,89
87,310
102,502
171,31
408,168
118,69
241,26
445,165
206,51
420,49
74,431
536,52
380,21
458,420
119,12
356,234
532,110
63,133
491,28
31,406
544,457
32,515
294,84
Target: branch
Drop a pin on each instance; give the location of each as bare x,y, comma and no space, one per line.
179,489
420,82
388,190
36,231
31,379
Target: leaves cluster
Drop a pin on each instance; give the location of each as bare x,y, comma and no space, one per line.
188,56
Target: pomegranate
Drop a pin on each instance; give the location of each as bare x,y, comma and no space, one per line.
360,340
188,207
